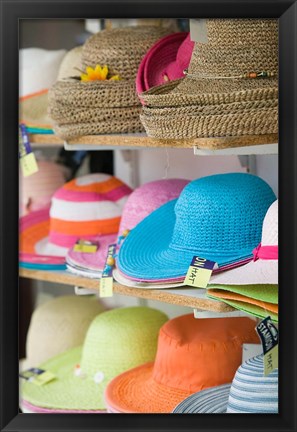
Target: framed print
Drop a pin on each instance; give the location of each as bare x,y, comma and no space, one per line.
148,215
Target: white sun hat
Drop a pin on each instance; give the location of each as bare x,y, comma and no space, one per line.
264,268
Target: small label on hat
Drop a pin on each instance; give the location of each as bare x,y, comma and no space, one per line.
106,281
37,376
27,158
86,246
199,272
269,337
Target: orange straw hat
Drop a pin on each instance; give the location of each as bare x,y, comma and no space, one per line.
192,355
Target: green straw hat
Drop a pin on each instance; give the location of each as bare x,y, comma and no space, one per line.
116,341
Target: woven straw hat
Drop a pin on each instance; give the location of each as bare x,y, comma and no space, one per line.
192,355
226,102
141,202
116,341
217,217
37,190
87,207
250,393
97,107
58,325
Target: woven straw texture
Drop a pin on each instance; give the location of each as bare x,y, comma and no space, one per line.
67,317
121,48
261,271
217,217
116,341
227,54
209,401
192,355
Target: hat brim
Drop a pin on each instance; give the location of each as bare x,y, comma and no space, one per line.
146,253
28,408
67,392
210,401
120,278
253,273
36,251
135,391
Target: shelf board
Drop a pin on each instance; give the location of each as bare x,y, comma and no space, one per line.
189,297
141,140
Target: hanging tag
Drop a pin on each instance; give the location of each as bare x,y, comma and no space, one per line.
37,376
106,281
269,337
199,272
27,158
86,246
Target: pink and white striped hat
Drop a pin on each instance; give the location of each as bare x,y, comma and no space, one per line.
87,207
142,201
37,190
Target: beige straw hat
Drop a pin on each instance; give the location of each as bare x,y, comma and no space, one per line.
230,88
58,325
107,106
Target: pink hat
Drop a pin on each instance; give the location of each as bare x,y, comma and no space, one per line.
165,61
87,207
143,201
37,190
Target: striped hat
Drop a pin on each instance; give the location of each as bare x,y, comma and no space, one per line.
87,207
250,393
37,190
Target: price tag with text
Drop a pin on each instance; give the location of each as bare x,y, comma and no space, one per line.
27,158
85,246
37,376
199,272
269,337
106,281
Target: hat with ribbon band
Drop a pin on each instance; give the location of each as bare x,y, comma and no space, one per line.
218,218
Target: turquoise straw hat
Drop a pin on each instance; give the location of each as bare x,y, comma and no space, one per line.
117,340
250,393
218,217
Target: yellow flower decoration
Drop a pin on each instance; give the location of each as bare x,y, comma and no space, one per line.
98,74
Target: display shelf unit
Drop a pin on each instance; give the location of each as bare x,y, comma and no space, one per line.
248,144
189,297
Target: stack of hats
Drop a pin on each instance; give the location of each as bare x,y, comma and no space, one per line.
108,103
230,87
116,340
218,218
253,287
37,189
192,355
142,201
250,393
34,84
87,208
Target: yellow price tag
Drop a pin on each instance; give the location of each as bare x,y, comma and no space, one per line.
28,164
106,287
271,360
85,247
199,272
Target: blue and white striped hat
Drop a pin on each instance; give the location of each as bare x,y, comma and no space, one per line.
250,392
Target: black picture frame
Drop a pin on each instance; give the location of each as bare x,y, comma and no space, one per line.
286,12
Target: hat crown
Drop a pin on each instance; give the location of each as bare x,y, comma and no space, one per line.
86,207
69,317
221,214
251,391
121,48
147,198
121,339
270,226
236,46
196,354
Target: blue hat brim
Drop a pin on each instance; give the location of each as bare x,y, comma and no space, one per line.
146,253
210,401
